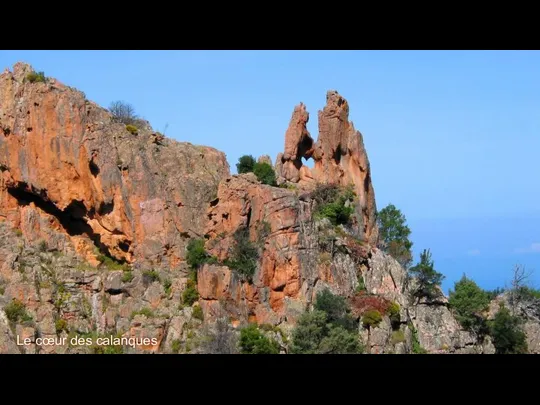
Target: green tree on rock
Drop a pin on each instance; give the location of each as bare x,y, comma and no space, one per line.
265,173
427,279
245,164
253,341
469,302
336,309
328,329
507,335
394,235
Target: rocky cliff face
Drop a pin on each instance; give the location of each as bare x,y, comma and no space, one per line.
79,189
95,220
70,175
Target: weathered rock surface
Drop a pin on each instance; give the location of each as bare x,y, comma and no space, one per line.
298,145
339,154
64,298
69,173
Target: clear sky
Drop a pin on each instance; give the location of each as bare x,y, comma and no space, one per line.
452,136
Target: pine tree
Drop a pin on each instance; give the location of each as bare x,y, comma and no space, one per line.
427,278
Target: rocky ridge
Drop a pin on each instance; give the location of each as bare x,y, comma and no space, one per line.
95,221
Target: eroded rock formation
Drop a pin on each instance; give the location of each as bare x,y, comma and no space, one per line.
95,220
339,154
70,175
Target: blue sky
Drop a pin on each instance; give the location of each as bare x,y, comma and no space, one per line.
452,136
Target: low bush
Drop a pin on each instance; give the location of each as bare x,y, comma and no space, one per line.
132,129
361,284
393,313
265,173
16,312
328,329
127,277
36,77
371,319
253,341
61,325
196,253
143,311
167,284
190,294
333,203
198,313
244,256
112,264
150,276
176,345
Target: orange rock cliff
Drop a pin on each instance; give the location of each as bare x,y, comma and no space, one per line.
75,179
95,221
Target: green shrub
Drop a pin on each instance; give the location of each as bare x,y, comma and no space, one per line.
268,327
507,335
176,345
288,186
528,293
61,325
313,334
371,318
265,173
167,284
36,77
340,341
244,256
334,203
150,276
324,193
397,337
18,232
198,313
245,164
336,309
361,284
190,294
336,212
416,347
127,276
196,253
253,341
132,129
146,312
329,328
393,313
143,311
16,312
469,302
112,264
310,330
